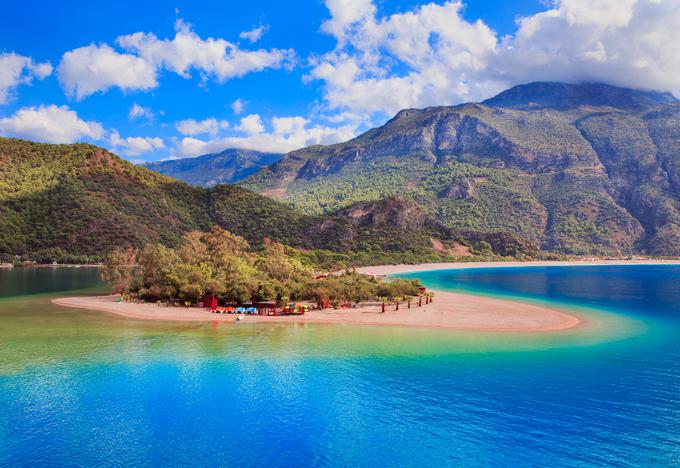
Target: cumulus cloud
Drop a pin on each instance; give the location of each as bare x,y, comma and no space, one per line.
254,34
284,134
97,68
631,43
211,57
133,146
50,124
140,112
425,56
60,124
431,55
193,127
251,124
18,69
238,106
87,70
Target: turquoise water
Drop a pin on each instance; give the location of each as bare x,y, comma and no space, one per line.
83,388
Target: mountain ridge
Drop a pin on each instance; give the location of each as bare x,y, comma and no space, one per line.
225,167
597,173
78,202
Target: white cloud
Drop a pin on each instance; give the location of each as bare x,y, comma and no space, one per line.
87,70
431,55
18,69
254,34
211,57
238,106
251,124
50,124
193,127
286,134
133,146
59,124
346,14
602,13
97,68
631,43
140,112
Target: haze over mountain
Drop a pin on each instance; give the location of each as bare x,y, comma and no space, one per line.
226,167
582,169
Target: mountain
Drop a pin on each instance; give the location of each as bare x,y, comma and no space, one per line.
576,169
81,199
391,226
226,167
568,96
79,202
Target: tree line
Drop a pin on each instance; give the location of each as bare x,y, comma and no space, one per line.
223,265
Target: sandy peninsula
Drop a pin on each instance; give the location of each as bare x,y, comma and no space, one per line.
449,310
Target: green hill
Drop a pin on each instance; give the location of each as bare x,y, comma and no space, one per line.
81,201
575,169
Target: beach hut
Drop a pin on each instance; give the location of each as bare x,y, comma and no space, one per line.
266,308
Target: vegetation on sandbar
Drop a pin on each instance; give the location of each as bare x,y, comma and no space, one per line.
220,264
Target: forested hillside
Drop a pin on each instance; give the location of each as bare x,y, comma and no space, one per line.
80,199
79,202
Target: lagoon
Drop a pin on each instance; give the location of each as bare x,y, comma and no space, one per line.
84,388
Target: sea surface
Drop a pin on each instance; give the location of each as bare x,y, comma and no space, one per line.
82,388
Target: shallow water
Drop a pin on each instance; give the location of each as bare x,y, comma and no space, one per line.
85,388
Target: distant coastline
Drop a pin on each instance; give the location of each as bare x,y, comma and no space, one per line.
382,270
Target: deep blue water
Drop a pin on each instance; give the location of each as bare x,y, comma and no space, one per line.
85,389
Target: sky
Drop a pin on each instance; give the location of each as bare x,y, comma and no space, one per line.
155,80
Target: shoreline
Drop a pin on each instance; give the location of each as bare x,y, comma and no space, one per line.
384,270
451,311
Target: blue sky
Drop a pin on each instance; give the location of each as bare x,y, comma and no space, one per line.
156,80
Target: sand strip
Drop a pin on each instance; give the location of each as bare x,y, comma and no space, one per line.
449,310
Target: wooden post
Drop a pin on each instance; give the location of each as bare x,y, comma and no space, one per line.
383,307
420,301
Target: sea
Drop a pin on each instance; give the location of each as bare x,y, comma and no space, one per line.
81,388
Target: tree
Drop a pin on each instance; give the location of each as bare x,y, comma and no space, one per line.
155,262
285,273
192,281
222,246
120,270
193,249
